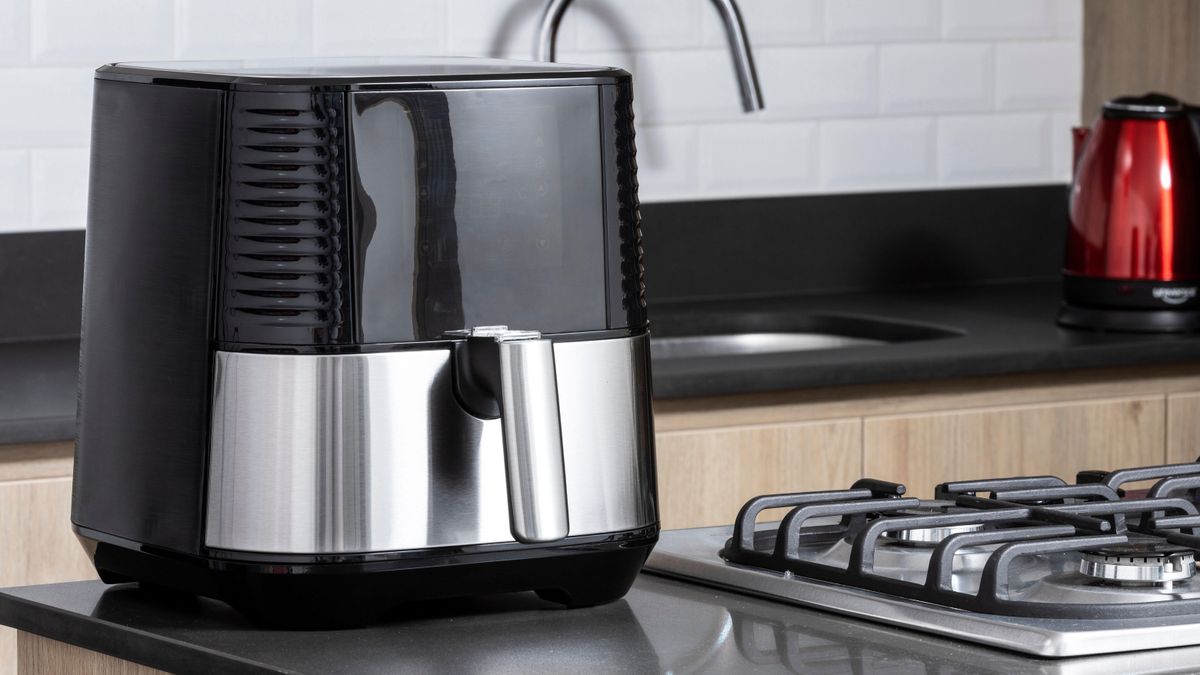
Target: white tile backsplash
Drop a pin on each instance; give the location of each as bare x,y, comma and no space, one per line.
491,28
774,158
878,154
860,94
55,107
376,27
1039,75
1017,19
816,82
685,86
667,159
87,33
618,25
882,20
58,187
15,199
14,32
935,78
772,23
234,29
996,149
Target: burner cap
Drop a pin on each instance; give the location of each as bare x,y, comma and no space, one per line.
1149,562
929,536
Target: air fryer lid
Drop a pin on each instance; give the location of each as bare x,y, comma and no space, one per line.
349,72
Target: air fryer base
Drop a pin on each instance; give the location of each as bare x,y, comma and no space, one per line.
1129,320
324,595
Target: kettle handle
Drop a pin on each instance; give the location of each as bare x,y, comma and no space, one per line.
512,371
1079,139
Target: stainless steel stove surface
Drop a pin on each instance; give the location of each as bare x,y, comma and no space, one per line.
1031,564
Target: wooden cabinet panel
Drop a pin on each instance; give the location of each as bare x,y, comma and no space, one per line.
704,477
1183,428
36,460
38,544
1131,47
1059,439
35,526
43,656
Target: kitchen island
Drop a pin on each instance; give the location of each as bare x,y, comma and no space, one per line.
661,626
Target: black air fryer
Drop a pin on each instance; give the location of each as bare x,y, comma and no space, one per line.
358,334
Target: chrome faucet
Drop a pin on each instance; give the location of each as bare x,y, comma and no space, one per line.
735,31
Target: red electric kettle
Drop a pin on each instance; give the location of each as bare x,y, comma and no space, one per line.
1133,244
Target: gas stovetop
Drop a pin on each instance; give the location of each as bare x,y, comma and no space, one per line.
1032,564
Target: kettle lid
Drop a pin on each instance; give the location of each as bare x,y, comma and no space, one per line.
1152,105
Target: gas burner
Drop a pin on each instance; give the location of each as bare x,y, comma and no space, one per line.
1139,563
929,536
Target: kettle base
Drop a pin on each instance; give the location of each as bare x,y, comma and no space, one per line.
334,595
1129,320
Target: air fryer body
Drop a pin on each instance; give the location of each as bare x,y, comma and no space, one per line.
293,394
1133,242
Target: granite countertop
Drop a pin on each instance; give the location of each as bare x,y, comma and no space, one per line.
994,330
662,625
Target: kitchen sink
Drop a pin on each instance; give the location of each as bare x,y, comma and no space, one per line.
762,333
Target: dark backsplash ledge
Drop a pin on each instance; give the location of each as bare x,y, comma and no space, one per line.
709,249
824,244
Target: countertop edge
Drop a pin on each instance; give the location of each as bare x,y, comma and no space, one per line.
104,637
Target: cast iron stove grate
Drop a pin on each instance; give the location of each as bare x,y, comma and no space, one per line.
1019,520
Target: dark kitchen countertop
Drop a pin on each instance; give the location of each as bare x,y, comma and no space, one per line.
1006,329
661,626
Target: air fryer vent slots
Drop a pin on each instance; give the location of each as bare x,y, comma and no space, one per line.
285,280
633,284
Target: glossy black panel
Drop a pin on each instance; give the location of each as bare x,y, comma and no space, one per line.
145,361
478,207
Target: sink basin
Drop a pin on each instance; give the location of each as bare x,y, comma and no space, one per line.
761,333
693,346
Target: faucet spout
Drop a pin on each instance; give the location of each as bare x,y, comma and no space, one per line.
735,32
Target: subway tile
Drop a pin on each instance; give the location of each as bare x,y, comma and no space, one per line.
235,29
91,33
624,26
770,23
994,149
55,107
14,32
667,162
378,27
623,60
935,78
498,29
816,81
1062,144
1039,75
877,154
881,20
685,86
988,19
14,191
1068,19
59,188
769,158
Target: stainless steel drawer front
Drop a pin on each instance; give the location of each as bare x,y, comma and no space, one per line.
360,453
